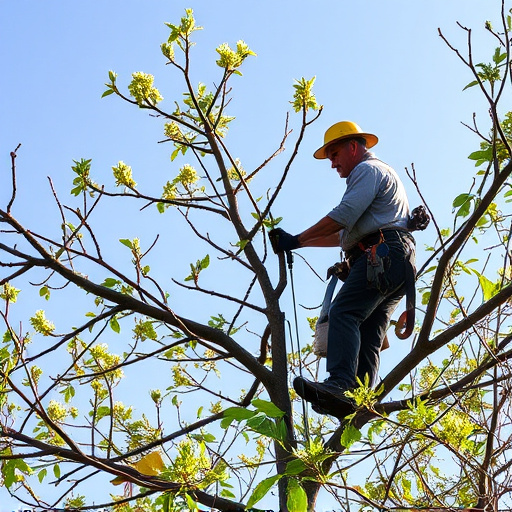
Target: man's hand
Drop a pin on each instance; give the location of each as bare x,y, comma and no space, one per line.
341,270
282,241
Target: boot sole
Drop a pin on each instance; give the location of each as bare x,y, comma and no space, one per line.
325,402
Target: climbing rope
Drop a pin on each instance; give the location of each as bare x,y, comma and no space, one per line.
289,260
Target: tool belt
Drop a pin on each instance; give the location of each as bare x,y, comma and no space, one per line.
363,245
417,221
372,240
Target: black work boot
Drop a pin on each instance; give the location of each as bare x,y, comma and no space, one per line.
326,397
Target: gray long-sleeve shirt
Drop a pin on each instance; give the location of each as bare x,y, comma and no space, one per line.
375,199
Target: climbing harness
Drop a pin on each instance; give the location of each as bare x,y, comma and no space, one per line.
376,251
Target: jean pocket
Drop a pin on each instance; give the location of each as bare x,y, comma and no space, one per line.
377,273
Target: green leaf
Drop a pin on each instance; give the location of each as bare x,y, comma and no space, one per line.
294,467
481,156
297,500
225,493
9,471
375,428
166,502
261,490
471,84
489,288
69,393
207,438
126,242
350,436
272,223
110,282
462,199
42,474
263,425
174,154
281,431
101,412
226,422
464,210
114,325
108,92
499,57
192,505
44,292
238,413
484,220
205,262
267,408
56,471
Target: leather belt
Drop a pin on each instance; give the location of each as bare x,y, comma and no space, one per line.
358,250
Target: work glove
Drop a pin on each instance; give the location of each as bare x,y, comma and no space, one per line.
419,219
282,241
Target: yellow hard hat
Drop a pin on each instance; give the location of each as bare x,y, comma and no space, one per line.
344,130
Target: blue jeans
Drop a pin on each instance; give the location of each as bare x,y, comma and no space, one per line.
360,313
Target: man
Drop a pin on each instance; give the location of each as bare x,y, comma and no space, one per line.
370,224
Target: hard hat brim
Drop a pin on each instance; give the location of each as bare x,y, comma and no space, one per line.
371,140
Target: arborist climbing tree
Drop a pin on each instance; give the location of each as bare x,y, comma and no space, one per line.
372,224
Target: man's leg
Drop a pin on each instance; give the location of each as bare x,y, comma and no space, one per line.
353,305
373,330
362,320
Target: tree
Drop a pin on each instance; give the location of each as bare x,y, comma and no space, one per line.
453,384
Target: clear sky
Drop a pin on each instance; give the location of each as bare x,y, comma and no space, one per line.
379,63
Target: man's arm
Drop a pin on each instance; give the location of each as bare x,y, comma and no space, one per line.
325,233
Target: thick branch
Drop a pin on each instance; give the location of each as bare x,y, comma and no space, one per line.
458,241
130,303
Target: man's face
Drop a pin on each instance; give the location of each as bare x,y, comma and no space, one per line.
341,155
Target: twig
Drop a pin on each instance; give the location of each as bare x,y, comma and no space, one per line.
14,154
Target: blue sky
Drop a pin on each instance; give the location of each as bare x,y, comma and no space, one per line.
380,64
